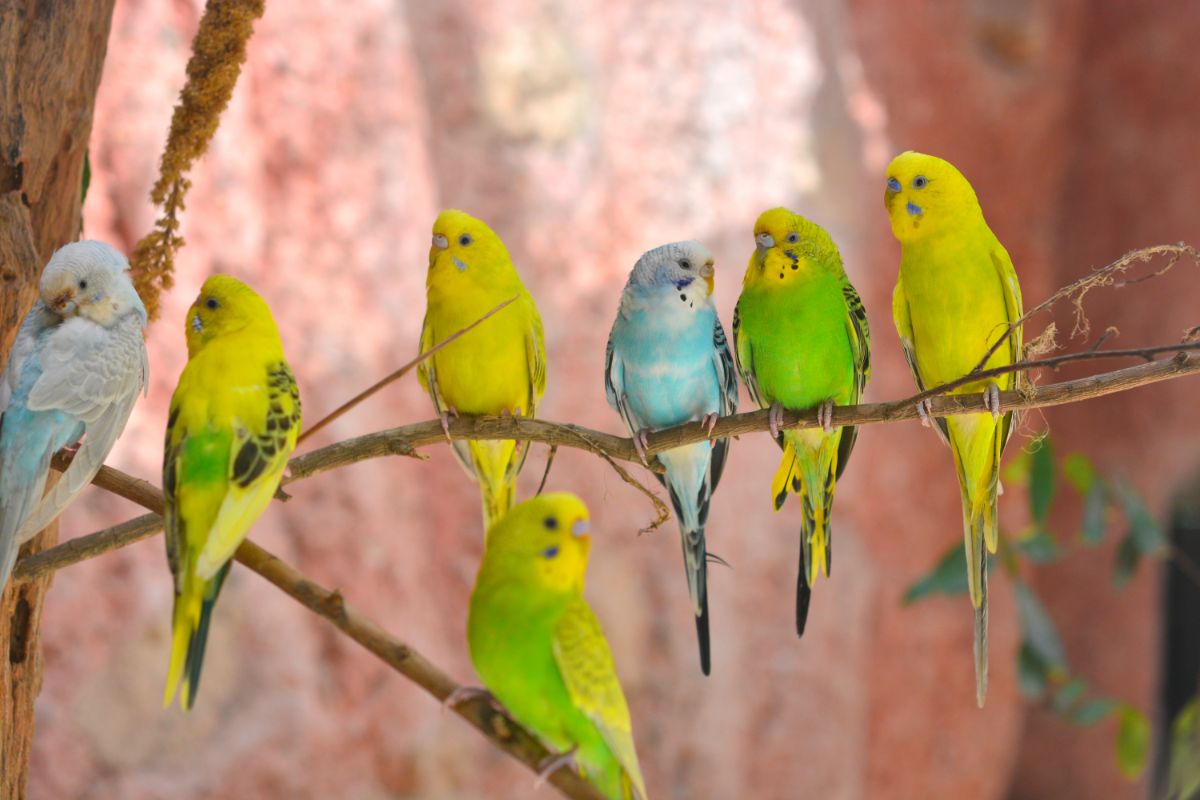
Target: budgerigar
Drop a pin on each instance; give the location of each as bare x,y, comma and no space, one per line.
233,422
498,368
667,363
801,340
957,293
539,649
75,370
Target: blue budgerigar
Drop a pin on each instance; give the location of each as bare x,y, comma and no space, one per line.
668,363
75,370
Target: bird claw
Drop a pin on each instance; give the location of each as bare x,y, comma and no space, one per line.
465,693
775,419
548,765
708,422
445,416
640,438
825,416
925,411
991,400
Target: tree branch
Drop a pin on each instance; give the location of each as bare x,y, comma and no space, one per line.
406,439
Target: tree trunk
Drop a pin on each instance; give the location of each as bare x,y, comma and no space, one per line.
52,52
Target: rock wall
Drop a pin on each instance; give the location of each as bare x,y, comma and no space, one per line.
586,133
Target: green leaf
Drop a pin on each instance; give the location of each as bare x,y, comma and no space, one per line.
1032,672
1095,514
1079,472
1016,471
1184,770
1038,630
1144,529
1068,694
1128,557
1093,711
1133,742
948,577
1038,546
1041,481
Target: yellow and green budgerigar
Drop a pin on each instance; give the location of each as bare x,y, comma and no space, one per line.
498,368
539,649
956,295
802,342
233,422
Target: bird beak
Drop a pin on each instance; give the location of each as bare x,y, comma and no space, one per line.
580,527
706,272
440,242
63,303
765,241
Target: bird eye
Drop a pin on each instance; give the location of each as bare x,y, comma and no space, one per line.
551,523
212,304
83,285
920,182
893,185
465,239
685,264
550,552
793,237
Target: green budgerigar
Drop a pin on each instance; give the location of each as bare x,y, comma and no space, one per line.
539,649
956,295
801,342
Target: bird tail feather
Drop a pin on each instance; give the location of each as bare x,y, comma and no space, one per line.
189,636
496,464
813,476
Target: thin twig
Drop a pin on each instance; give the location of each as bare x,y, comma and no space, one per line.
662,513
363,395
1099,277
546,472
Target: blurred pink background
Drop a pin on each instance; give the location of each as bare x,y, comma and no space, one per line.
586,133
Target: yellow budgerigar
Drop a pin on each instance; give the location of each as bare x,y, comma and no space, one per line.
539,649
956,295
233,422
498,368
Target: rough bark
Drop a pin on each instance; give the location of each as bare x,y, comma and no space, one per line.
52,53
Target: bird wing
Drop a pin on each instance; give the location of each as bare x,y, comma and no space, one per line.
860,346
535,351
1012,304
95,374
614,384
586,666
726,368
257,459
903,321
35,322
427,376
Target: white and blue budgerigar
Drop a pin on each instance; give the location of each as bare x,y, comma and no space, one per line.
75,370
668,363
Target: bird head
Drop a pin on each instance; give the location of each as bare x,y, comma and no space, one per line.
542,542
465,246
88,279
925,195
788,247
224,306
683,268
